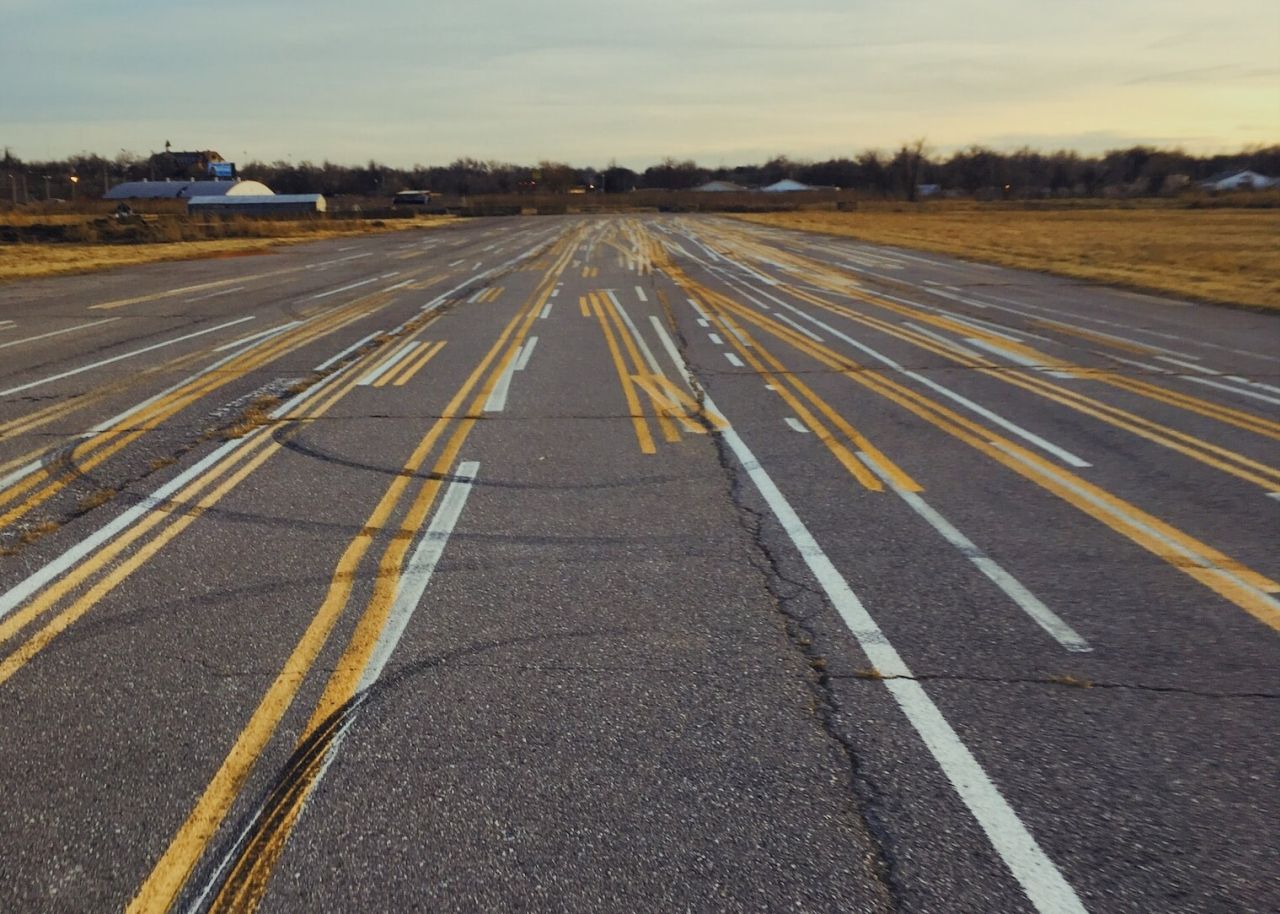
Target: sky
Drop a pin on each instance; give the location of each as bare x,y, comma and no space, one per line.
592,81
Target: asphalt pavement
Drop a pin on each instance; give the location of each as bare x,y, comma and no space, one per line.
634,563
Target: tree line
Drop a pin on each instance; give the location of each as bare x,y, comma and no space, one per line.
976,170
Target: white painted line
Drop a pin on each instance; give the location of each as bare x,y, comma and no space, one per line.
796,424
390,363
715,338
45,336
1125,519
389,275
455,263
479,264
1182,363
697,307
399,285
497,401
526,352
1062,454
555,291
346,352
1027,601
1045,886
121,357
702,322
214,295
981,325
261,337
409,590
20,474
354,285
1118,338
546,312
635,332
1018,359
734,360
1235,390
770,387
795,326
939,338
640,294
475,296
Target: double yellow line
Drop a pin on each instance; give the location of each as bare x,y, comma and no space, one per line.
86,455
1232,580
1220,458
248,877
401,374
184,508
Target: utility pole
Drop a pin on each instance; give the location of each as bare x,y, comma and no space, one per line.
47,195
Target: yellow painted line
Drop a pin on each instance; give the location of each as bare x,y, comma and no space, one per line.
692,406
120,303
405,352
1098,338
418,365
1240,585
1220,458
649,384
166,880
669,432
88,454
643,436
582,306
37,642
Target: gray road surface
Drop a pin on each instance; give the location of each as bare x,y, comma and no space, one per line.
634,564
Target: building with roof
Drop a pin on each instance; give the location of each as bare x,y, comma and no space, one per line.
258,204
720,187
786,186
184,190
1241,180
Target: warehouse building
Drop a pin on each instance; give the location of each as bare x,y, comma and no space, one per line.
258,205
185,190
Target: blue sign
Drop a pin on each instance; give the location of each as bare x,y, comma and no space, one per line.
222,169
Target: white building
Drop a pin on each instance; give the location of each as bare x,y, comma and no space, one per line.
1243,180
183,190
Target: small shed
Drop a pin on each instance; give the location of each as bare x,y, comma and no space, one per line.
720,187
259,205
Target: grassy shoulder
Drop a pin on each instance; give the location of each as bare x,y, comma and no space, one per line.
1230,256
31,260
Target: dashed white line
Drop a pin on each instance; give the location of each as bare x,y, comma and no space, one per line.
546,312
526,352
715,338
640,294
734,360
796,424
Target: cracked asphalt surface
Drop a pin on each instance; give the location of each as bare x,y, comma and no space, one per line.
641,563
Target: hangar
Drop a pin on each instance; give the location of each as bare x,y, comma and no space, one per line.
183,190
258,205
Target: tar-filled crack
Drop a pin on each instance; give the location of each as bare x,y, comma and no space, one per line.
784,592
1061,682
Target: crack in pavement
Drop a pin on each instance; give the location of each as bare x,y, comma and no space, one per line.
1062,682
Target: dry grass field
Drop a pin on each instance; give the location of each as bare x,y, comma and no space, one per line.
171,241
1231,256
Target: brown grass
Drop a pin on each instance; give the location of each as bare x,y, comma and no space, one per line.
1229,256
96,499
258,413
26,261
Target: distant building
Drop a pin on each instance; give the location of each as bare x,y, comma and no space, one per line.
1240,180
720,187
412,198
188,164
184,190
928,190
786,186
268,204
